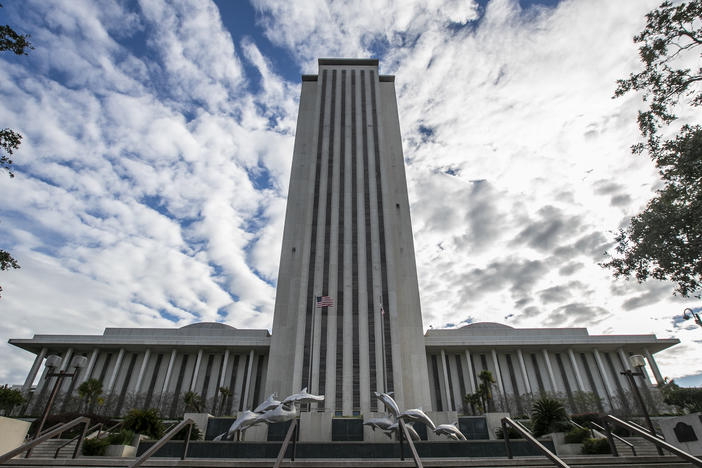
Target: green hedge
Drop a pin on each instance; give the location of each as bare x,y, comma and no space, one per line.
596,447
576,435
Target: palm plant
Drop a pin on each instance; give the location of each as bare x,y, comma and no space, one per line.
90,391
546,415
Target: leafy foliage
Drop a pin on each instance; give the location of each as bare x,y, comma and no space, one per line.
144,421
95,447
576,435
547,415
193,401
687,400
665,241
513,434
10,398
123,437
90,391
481,399
195,434
596,446
9,139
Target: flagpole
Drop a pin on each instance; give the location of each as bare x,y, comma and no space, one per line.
382,342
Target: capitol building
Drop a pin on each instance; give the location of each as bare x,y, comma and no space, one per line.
347,320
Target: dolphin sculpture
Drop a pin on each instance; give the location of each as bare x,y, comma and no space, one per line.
244,420
269,404
389,402
303,397
381,423
410,430
417,415
449,430
280,413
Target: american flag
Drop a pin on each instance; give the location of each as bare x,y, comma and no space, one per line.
325,301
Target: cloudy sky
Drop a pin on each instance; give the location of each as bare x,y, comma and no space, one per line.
151,183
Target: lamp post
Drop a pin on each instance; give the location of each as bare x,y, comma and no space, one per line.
53,362
637,362
692,314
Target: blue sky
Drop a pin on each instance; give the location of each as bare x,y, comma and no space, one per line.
152,178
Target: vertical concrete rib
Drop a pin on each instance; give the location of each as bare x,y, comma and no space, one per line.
327,246
356,330
387,338
341,253
306,371
368,304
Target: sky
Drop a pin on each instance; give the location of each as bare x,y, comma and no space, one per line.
151,182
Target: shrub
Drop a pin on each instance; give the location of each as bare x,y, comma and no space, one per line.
144,421
513,434
584,418
195,434
10,398
596,446
95,447
547,415
54,419
123,437
576,435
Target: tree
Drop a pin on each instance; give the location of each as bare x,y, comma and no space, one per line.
687,400
192,401
547,415
9,398
665,241
90,391
9,139
225,395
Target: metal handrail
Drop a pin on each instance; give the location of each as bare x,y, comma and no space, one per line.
522,426
284,447
505,434
47,430
88,431
48,435
410,442
648,436
620,439
640,427
162,441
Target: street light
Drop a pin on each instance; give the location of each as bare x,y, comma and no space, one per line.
692,314
54,362
637,362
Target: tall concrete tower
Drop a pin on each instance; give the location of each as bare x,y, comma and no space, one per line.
348,237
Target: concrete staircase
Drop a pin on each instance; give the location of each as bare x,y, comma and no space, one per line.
641,445
47,449
528,462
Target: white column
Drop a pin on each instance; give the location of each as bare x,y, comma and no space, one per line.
549,368
169,370
624,358
654,367
498,374
65,363
196,370
522,366
471,378
248,379
446,382
34,370
91,365
140,377
603,373
225,362
115,371
576,370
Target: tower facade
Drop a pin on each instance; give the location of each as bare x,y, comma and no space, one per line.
348,239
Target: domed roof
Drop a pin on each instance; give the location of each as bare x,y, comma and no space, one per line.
487,325
215,325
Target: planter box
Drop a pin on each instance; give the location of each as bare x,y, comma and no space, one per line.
13,433
120,451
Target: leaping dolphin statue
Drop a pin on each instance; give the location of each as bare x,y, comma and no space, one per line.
269,404
244,420
449,430
381,423
389,402
303,397
417,415
410,430
280,413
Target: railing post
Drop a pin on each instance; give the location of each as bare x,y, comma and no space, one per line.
296,434
610,439
79,444
399,436
187,441
505,437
